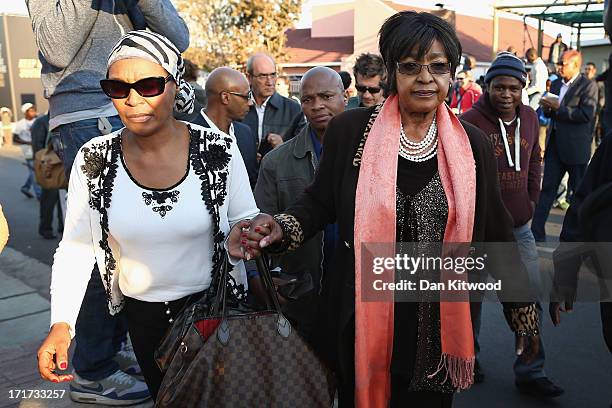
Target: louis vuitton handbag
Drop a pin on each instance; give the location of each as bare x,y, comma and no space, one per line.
223,354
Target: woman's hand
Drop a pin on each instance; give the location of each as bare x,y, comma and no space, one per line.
234,247
247,238
527,347
53,354
264,231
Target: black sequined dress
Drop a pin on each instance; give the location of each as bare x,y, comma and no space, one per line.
422,212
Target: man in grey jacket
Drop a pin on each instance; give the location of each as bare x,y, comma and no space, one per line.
271,114
288,169
74,38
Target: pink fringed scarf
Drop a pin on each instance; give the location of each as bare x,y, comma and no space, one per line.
375,222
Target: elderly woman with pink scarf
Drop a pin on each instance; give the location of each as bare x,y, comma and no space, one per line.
404,171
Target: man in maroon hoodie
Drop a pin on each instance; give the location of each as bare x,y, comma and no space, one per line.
513,130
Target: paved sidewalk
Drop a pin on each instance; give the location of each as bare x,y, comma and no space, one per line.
24,323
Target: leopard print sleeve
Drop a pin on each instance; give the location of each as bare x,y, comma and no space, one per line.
293,235
523,320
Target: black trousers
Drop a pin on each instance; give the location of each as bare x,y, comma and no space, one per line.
148,323
49,199
554,170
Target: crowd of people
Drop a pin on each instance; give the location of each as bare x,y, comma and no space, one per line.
166,176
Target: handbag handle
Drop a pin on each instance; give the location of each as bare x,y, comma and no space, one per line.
283,325
264,272
220,294
223,334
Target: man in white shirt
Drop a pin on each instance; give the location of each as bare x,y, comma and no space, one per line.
229,100
537,77
23,137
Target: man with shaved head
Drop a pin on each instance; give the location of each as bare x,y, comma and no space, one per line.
271,114
283,175
228,101
569,138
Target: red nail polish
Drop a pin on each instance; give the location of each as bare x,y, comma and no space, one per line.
55,380
257,229
243,242
63,365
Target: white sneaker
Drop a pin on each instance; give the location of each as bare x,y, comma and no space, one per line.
117,389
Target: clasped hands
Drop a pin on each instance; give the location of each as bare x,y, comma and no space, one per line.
247,239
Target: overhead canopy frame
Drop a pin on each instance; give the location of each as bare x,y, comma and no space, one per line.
579,18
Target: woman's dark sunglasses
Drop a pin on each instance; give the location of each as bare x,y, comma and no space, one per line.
414,68
146,87
372,89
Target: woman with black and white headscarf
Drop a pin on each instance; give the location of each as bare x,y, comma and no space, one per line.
150,206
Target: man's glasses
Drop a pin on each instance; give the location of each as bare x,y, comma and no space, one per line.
271,75
414,68
146,87
372,89
248,96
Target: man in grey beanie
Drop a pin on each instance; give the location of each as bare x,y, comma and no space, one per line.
513,129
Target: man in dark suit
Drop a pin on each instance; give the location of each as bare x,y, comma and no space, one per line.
568,147
271,114
228,101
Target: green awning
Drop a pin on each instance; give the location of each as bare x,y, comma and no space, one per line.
572,18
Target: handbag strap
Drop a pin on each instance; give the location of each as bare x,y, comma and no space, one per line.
220,303
264,271
283,327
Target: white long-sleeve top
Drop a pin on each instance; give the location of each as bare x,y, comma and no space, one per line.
161,240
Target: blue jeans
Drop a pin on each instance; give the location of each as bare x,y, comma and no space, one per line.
554,170
98,334
31,181
529,256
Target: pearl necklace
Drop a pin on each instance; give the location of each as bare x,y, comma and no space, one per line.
423,150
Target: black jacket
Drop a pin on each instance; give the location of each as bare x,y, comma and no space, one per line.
278,116
331,198
571,127
587,227
40,133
